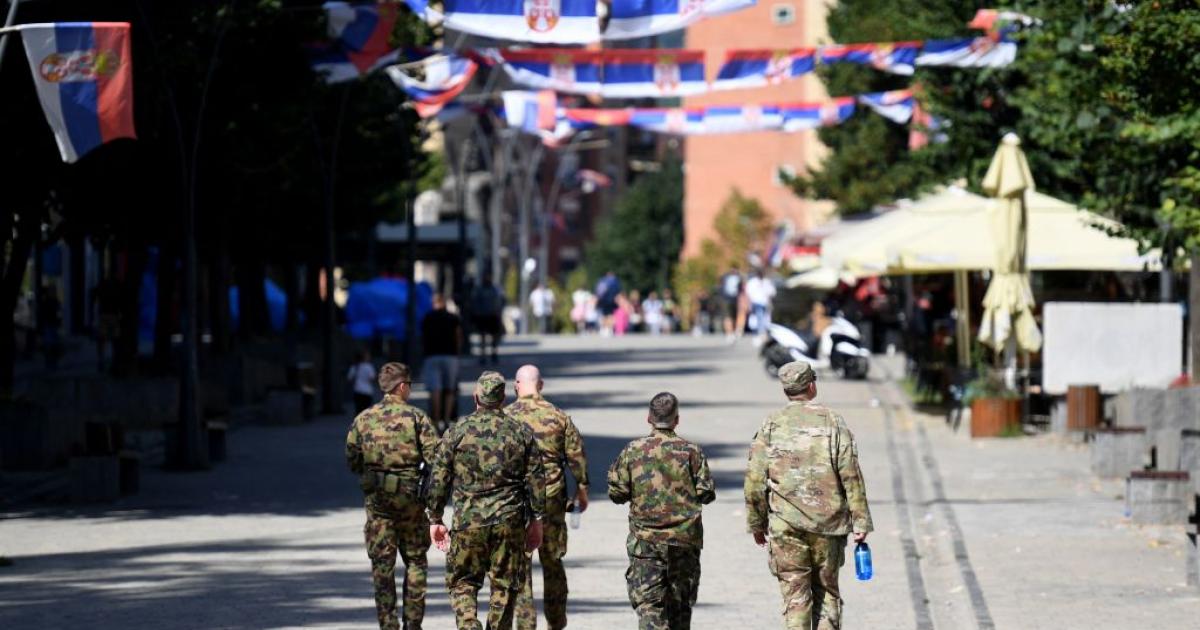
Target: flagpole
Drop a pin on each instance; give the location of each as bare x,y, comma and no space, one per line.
8,28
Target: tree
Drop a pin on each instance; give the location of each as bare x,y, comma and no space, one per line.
642,238
869,162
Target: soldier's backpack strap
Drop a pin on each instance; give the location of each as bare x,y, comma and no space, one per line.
423,470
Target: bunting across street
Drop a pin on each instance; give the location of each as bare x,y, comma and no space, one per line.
83,72
896,58
630,73
989,51
629,19
896,105
570,71
758,68
535,21
446,76
359,45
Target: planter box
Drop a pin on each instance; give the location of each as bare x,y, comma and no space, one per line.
991,417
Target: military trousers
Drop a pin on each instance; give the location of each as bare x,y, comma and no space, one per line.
496,552
407,534
663,581
807,565
554,575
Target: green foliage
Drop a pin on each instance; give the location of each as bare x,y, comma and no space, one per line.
990,384
641,239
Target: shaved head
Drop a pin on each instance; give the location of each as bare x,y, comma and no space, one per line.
529,380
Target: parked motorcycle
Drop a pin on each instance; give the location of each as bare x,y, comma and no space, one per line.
839,348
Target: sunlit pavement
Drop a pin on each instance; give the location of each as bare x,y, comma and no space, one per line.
999,533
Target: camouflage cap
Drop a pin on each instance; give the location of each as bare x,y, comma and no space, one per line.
391,375
796,377
664,409
490,388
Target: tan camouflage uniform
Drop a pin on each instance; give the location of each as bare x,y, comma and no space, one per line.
665,480
492,466
805,490
561,445
381,448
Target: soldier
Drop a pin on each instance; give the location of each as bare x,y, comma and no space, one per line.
804,494
387,445
665,479
561,445
492,465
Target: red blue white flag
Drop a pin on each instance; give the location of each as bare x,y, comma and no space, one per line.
741,119
530,111
897,57
537,21
896,105
629,19
653,73
83,72
978,52
802,116
757,68
446,76
563,70
360,34
422,9
678,121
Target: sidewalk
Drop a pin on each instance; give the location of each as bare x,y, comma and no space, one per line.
997,533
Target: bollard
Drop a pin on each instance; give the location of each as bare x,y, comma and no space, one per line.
1158,497
1118,450
1083,407
1189,452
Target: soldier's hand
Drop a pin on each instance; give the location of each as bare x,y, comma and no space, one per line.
440,536
581,499
533,536
760,539
860,537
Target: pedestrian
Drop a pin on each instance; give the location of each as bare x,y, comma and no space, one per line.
362,379
541,303
665,480
441,343
670,311
491,465
760,292
607,290
562,447
579,307
730,290
389,447
487,304
804,495
652,313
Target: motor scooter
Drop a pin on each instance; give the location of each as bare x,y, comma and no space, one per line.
839,348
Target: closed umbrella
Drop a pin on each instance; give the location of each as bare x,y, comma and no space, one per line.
1008,303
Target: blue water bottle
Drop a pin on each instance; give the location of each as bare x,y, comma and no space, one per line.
862,562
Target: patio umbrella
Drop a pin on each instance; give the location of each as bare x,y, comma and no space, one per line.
1008,303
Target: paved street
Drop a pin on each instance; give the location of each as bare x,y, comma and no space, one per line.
987,534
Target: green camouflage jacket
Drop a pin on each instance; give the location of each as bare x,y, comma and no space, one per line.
803,474
665,479
493,465
383,438
558,439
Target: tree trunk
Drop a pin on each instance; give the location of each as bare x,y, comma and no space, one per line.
1194,316
252,300
218,290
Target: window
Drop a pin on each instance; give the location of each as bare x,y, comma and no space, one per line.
783,14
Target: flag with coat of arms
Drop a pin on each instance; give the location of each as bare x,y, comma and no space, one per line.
360,45
83,72
537,21
629,19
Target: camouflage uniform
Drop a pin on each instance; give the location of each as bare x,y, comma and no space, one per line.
382,449
560,444
665,479
492,464
805,490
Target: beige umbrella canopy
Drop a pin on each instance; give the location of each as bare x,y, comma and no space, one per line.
1008,304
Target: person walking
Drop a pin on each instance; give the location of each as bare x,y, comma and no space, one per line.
362,377
388,446
665,480
441,343
804,494
487,305
493,467
607,290
562,447
541,303
730,291
761,292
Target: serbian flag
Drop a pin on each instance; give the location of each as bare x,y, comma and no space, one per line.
590,118
801,116
676,121
756,68
422,9
446,76
653,73
563,70
629,19
360,35
896,105
530,111
978,52
537,21
897,58
83,72
741,119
